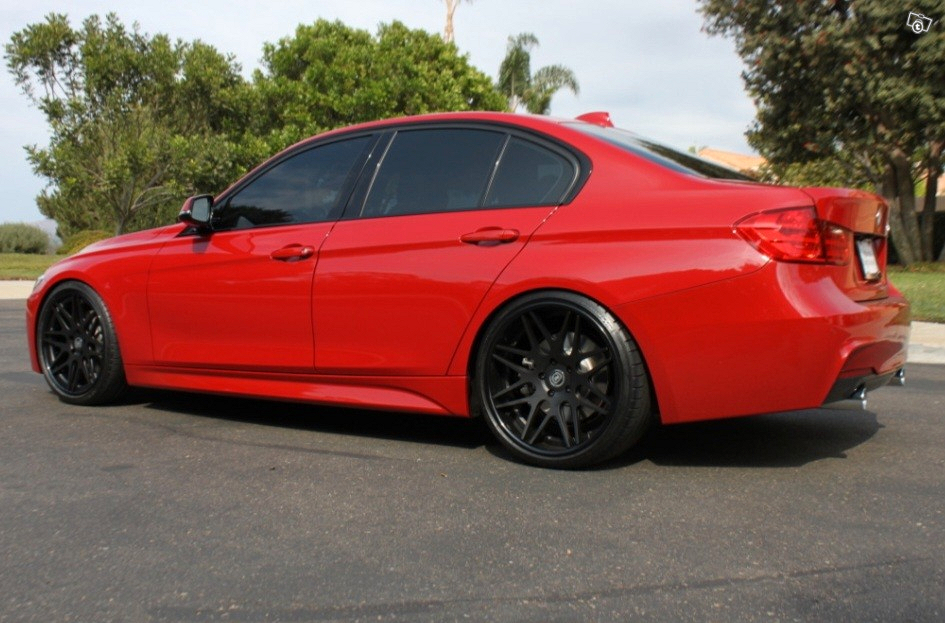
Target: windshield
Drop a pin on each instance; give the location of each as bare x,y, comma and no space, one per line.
660,154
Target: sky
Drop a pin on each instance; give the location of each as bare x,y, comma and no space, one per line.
647,63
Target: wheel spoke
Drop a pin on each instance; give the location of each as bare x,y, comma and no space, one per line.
512,351
508,364
541,427
89,322
563,425
593,356
60,342
514,403
63,318
576,337
511,388
541,329
599,366
531,418
73,312
590,387
576,419
530,334
584,402
56,368
559,337
73,375
89,367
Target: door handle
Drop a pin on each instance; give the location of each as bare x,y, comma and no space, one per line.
490,236
292,253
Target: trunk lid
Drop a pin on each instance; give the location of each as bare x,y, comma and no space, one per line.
867,216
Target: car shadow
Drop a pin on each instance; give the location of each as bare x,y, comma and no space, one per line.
788,439
395,426
777,440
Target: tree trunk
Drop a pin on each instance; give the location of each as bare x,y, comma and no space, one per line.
928,215
931,196
900,238
905,191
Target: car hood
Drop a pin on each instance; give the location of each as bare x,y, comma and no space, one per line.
131,240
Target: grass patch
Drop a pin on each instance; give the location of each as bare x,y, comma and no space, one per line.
26,266
923,267
924,286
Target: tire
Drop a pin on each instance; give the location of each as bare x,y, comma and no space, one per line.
77,346
560,382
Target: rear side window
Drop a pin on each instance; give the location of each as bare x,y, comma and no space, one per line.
439,170
530,175
307,187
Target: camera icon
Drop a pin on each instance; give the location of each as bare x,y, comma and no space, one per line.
918,23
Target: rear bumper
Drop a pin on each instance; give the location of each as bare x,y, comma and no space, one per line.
779,339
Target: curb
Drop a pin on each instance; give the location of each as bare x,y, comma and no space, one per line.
15,289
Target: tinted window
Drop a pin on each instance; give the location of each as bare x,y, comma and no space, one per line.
660,154
307,187
434,171
530,175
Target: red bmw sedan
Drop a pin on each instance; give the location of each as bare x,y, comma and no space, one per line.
569,282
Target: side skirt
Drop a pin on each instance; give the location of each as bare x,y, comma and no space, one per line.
441,395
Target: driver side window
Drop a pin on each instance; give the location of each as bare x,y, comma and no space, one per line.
307,187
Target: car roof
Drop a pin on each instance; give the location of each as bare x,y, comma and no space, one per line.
504,118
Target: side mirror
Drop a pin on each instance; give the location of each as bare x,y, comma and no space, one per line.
196,212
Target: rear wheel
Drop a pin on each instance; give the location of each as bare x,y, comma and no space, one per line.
77,346
560,382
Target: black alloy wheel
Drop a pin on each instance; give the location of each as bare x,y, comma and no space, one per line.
561,383
77,346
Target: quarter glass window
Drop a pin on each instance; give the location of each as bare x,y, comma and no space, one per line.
530,175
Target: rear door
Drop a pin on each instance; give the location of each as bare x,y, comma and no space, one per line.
448,209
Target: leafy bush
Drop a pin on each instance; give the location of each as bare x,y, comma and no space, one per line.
22,238
79,240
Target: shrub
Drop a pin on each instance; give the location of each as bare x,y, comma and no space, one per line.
23,238
79,240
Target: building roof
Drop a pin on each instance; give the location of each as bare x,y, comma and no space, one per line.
732,160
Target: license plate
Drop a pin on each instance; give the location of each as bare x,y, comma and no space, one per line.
867,255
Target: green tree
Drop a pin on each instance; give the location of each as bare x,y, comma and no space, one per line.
329,75
521,87
136,122
850,84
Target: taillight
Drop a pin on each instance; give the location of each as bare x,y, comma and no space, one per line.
797,235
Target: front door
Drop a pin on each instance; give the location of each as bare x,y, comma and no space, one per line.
241,296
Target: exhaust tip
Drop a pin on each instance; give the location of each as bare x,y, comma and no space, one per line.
899,378
855,402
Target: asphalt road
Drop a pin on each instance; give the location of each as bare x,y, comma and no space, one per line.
175,507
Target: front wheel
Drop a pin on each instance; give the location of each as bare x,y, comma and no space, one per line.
77,346
560,382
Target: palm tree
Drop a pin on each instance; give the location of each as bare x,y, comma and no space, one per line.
451,6
522,87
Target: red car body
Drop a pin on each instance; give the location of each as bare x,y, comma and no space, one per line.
388,312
